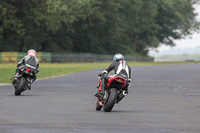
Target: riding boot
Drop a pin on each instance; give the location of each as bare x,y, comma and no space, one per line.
29,86
34,78
14,81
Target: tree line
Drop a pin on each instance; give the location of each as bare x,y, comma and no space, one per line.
94,26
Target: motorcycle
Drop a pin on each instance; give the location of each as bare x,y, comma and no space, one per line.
24,80
113,93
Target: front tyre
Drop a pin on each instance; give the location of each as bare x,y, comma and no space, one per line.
111,100
20,86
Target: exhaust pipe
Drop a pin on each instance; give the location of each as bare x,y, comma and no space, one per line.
125,93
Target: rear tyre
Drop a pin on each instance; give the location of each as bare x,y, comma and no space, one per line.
20,86
98,107
111,100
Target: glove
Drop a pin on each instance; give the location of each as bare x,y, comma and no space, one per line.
103,72
18,64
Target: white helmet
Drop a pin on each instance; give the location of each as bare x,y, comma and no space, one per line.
118,57
31,52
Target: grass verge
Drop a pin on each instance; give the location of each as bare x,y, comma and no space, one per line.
7,71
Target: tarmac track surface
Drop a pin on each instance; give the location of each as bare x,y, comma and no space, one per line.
161,99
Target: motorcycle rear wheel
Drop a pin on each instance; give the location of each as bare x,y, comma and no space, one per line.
20,86
111,100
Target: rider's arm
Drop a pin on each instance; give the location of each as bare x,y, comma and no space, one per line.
21,62
37,68
129,68
111,67
129,72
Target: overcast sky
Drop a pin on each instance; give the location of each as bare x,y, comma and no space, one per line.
189,42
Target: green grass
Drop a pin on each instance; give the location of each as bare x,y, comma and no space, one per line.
7,71
48,70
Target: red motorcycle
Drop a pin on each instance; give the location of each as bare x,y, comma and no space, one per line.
113,94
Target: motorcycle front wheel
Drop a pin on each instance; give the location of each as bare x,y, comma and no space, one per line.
111,100
20,86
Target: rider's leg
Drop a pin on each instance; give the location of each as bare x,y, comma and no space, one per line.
17,73
31,81
104,80
34,78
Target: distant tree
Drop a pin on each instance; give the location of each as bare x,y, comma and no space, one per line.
176,19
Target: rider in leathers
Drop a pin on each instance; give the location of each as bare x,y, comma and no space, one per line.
118,59
31,53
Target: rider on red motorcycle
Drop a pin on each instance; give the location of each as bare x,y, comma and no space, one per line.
119,66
